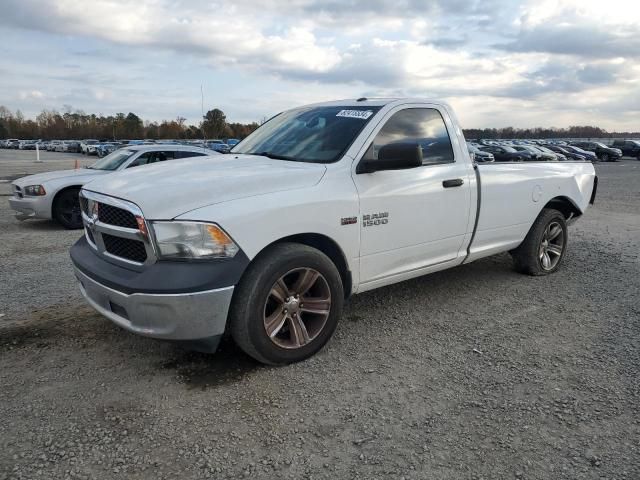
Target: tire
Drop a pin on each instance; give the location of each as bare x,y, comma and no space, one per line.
604,157
260,296
540,253
66,209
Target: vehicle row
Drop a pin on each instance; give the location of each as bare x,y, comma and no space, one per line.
555,150
102,148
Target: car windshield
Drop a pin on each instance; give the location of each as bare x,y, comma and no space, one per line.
113,160
509,149
601,145
308,134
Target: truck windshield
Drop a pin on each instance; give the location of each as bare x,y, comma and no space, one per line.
113,160
310,134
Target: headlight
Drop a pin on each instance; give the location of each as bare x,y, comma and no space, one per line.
192,240
34,190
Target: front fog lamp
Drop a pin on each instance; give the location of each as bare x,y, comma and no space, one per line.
34,190
192,240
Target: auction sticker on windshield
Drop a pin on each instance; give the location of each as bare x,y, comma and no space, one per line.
361,114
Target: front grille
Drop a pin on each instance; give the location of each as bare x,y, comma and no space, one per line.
125,248
116,216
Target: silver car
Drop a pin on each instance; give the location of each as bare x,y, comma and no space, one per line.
54,195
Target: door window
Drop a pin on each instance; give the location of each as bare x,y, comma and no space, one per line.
423,126
152,157
188,154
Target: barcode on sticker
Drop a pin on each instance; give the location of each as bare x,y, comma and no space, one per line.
361,114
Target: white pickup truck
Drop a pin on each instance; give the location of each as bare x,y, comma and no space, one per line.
321,202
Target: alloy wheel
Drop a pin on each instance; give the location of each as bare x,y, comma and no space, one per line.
297,308
552,246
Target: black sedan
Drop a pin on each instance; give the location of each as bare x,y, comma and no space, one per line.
504,153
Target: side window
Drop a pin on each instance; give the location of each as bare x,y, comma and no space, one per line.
423,126
141,160
152,157
162,156
187,154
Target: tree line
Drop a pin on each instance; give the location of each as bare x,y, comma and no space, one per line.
75,124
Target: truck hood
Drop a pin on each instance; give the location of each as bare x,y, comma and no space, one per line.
81,174
166,190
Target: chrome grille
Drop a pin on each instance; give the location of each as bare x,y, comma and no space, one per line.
111,228
124,247
116,216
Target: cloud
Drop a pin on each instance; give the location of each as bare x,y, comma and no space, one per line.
590,40
116,54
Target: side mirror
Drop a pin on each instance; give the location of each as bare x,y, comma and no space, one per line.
395,156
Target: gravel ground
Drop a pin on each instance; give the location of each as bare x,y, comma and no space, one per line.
477,372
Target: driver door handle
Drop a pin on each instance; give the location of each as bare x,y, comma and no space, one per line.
455,182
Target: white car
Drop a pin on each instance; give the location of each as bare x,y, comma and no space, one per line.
319,203
54,195
88,146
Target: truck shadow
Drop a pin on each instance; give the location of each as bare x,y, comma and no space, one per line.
202,371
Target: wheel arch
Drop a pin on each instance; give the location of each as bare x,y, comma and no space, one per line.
57,196
326,245
564,205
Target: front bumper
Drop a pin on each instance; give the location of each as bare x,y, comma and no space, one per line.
30,207
185,317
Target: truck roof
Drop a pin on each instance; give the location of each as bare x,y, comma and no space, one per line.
377,101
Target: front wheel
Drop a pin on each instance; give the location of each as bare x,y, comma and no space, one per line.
287,305
66,209
605,157
543,248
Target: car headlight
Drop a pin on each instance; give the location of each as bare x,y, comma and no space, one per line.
34,190
192,240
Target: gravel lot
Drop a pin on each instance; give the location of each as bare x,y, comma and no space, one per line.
477,372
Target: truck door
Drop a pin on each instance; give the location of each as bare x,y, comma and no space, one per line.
416,218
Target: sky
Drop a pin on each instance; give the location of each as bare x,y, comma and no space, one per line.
498,62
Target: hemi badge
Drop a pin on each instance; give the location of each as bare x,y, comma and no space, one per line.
348,220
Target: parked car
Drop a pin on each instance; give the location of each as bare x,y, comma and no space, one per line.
589,154
629,148
13,143
85,144
54,195
60,147
480,155
381,194
232,142
556,156
567,153
604,153
504,153
51,146
217,146
104,149
536,153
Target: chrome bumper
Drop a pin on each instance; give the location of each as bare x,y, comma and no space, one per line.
186,316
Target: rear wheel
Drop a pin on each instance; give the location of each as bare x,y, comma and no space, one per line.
287,305
543,248
66,209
